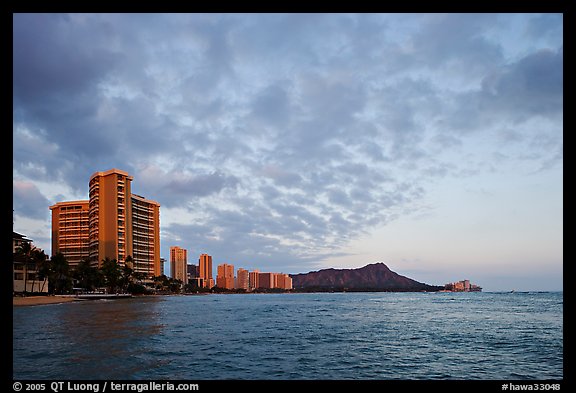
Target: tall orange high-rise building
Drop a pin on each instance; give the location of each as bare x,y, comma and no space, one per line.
119,225
179,263
225,276
110,216
205,267
146,236
242,279
254,279
70,231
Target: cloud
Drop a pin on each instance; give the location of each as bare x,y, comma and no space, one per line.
531,86
177,188
28,201
281,136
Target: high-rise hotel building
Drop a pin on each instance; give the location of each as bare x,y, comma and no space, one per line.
242,279
179,263
70,230
114,223
205,267
225,276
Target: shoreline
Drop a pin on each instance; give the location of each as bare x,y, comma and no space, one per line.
23,301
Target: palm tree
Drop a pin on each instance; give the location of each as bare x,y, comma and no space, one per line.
24,254
44,271
127,276
33,258
87,275
60,273
38,259
112,273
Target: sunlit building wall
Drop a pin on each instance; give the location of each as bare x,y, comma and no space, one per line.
242,279
205,267
178,264
225,276
70,230
267,280
113,223
253,280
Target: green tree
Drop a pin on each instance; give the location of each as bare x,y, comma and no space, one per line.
38,261
88,276
35,263
60,274
112,274
44,268
25,253
127,277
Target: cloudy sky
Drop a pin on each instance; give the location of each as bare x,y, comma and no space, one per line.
430,142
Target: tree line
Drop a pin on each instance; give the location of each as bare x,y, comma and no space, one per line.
114,277
62,278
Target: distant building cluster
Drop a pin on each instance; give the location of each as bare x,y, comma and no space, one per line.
462,286
200,275
116,224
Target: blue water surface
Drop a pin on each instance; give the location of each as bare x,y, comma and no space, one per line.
378,336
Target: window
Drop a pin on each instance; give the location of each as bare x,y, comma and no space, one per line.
18,276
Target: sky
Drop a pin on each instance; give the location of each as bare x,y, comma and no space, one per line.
298,142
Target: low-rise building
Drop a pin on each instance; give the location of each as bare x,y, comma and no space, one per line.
462,286
25,270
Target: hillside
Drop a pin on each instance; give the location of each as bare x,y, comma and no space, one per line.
373,277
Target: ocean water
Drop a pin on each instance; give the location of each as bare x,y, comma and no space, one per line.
366,336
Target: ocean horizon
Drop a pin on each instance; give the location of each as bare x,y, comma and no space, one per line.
297,336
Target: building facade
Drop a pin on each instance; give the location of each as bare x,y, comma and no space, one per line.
18,241
178,264
266,280
146,236
225,276
242,279
70,230
25,274
110,216
283,281
205,271
192,272
274,280
254,280
113,223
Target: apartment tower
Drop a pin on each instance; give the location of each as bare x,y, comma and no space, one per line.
267,280
110,216
146,236
225,276
283,281
205,267
113,223
254,280
242,279
70,231
178,263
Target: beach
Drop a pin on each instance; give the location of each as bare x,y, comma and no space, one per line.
40,300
